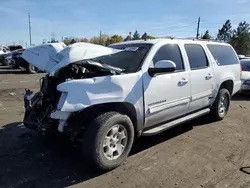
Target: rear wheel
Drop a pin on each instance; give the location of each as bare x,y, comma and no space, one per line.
108,140
221,105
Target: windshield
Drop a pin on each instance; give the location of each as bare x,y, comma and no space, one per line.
129,59
245,65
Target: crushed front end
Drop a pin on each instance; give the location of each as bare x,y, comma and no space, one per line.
43,110
39,106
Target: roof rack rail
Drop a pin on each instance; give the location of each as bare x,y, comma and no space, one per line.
195,39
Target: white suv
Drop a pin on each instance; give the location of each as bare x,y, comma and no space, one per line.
105,96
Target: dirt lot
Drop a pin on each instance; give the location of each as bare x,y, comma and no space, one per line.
195,154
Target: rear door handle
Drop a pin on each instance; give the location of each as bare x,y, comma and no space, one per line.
183,81
209,76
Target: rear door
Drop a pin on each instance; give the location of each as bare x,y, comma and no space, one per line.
201,77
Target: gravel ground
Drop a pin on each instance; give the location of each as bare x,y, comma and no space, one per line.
200,153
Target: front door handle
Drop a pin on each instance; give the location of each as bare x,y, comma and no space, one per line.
209,76
183,81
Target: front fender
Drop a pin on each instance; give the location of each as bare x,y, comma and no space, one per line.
87,92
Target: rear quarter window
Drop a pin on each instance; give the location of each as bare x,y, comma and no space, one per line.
223,55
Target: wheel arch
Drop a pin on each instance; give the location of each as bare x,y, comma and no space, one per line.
227,84
89,113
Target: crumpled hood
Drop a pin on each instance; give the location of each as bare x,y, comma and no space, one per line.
51,57
44,56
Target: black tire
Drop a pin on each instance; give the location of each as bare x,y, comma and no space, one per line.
31,69
216,114
92,146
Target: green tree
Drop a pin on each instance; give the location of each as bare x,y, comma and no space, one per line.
146,36
94,40
151,37
116,39
73,41
206,35
84,40
66,40
241,38
226,32
136,36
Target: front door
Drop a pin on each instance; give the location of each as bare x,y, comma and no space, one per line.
167,96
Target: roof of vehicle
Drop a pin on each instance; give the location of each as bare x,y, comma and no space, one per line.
179,40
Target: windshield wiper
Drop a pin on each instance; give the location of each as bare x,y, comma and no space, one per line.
95,60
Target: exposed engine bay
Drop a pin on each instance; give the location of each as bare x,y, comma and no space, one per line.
40,105
85,69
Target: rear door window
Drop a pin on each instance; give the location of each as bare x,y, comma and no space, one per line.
196,56
223,55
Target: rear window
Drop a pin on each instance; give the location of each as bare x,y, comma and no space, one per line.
245,65
223,55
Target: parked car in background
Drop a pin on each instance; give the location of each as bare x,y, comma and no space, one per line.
245,65
243,57
3,52
7,59
18,62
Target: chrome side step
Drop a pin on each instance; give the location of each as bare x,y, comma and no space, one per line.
170,124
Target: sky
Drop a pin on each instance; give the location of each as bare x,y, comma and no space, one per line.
84,18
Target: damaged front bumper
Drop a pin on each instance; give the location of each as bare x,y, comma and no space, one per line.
42,117
30,100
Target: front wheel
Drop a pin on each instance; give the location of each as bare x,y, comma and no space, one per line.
108,140
221,105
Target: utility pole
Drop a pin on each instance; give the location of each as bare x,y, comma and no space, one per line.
198,28
53,37
100,37
30,30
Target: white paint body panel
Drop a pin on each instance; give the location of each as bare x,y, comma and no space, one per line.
107,89
174,97
44,56
155,99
